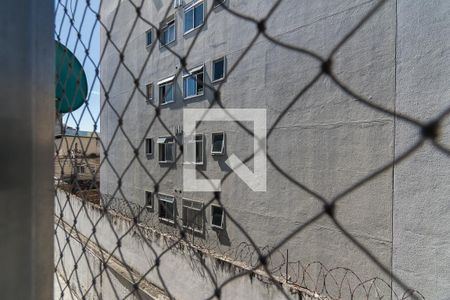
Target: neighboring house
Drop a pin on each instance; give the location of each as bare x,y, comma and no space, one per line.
327,140
77,153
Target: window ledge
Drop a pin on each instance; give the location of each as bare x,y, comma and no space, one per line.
165,103
165,162
193,163
193,29
161,45
192,229
195,96
166,220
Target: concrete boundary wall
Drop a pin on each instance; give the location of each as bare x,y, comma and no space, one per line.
180,267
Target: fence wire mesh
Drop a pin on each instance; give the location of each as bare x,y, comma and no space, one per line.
92,229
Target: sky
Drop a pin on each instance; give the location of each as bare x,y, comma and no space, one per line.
85,22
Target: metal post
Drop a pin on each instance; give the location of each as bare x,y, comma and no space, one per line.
26,149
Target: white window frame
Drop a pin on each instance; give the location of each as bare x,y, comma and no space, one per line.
222,151
165,143
224,69
223,217
176,3
148,97
148,196
80,169
192,6
168,199
191,74
165,26
146,38
149,144
190,206
165,82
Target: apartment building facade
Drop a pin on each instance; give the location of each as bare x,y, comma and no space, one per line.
326,142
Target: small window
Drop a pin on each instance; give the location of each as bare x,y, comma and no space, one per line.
218,69
217,216
166,90
148,147
193,82
168,31
166,149
166,208
149,37
193,16
193,215
148,200
218,143
80,169
149,91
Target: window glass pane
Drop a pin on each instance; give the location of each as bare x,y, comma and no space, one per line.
169,92
149,37
169,152
165,36
198,15
217,142
219,69
198,151
189,86
171,33
148,146
162,152
200,83
148,199
217,213
188,20
169,211
149,91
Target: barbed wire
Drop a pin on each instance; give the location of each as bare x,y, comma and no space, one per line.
327,283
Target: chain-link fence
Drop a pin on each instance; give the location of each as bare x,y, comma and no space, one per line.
118,235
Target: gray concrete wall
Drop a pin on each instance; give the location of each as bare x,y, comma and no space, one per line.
327,140
421,250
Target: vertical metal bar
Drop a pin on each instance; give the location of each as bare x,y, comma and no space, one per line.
287,265
26,130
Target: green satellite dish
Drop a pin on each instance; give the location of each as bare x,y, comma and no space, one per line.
71,83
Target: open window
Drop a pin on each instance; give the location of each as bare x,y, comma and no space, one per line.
168,32
166,149
193,215
149,200
193,15
218,143
166,208
166,89
148,147
217,216
193,82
